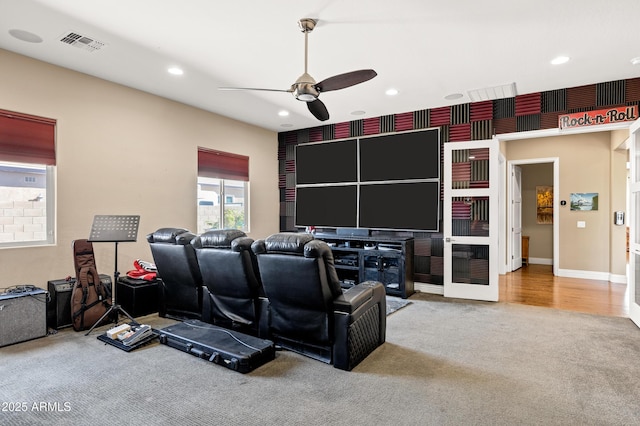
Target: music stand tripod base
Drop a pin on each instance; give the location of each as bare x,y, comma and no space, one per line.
114,229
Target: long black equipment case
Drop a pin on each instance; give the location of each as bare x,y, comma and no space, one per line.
228,348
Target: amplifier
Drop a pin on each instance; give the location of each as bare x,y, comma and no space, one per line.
59,305
23,315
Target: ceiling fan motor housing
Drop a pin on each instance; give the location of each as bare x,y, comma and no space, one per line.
304,89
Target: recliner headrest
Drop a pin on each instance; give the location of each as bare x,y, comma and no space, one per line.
287,242
301,244
220,238
179,236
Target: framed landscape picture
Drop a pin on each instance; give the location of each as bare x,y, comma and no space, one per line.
584,201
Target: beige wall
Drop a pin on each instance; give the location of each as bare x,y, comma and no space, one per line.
585,162
123,151
618,202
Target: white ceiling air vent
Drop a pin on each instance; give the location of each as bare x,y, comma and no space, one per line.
82,41
491,93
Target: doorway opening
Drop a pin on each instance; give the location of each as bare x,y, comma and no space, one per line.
530,179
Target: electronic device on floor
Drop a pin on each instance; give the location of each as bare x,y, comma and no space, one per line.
231,349
128,336
23,314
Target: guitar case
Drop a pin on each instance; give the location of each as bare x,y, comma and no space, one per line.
231,349
90,299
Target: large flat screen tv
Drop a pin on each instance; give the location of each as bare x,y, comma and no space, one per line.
327,206
402,206
327,162
389,181
411,155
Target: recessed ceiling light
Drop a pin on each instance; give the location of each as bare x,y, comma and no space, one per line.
391,92
359,112
636,60
453,96
283,113
560,60
175,71
26,36
286,125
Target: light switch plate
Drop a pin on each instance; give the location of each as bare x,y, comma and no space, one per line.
582,224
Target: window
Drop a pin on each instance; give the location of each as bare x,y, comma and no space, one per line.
27,169
223,180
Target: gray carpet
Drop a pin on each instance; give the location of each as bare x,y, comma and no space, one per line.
445,362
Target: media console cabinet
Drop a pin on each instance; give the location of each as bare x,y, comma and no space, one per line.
388,260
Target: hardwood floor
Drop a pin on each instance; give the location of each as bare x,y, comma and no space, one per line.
536,285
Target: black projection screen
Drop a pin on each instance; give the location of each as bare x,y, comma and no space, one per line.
327,162
411,155
402,206
330,206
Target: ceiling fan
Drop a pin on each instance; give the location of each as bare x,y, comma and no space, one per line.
307,90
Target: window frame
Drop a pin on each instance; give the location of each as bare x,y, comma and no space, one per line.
223,203
225,167
50,208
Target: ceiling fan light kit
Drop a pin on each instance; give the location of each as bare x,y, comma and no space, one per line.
306,89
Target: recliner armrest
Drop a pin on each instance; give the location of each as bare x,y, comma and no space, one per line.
358,295
241,244
360,323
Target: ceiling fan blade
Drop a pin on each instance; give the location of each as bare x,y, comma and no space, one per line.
348,79
255,88
318,110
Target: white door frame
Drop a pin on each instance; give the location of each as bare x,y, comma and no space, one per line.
502,234
632,220
515,230
556,207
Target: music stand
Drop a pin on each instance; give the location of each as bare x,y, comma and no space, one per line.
114,229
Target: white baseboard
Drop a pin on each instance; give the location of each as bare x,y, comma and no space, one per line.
429,288
540,261
618,279
593,275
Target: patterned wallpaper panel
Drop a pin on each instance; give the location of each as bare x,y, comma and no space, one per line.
471,121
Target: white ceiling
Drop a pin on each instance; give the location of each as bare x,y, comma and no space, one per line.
425,49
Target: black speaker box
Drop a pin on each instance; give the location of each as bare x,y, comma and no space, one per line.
138,297
59,305
23,315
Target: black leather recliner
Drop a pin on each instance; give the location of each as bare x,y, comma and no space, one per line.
308,311
231,287
181,282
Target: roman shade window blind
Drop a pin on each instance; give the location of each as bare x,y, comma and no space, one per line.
222,165
27,139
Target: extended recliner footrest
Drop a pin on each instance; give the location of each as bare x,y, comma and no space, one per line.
231,349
